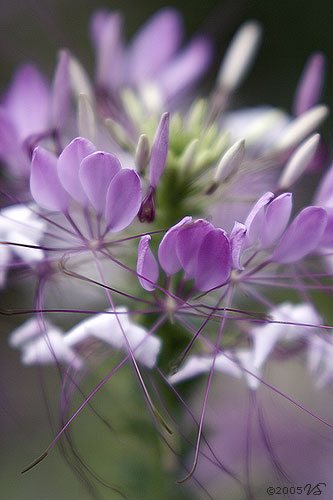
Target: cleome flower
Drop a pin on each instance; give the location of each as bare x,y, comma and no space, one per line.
47,344
159,76
32,111
288,323
91,179
229,278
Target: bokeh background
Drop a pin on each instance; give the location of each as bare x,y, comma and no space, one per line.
131,456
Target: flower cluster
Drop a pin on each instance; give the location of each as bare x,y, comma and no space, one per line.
170,219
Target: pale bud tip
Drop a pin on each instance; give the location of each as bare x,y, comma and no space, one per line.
239,56
298,162
230,161
86,118
301,127
142,152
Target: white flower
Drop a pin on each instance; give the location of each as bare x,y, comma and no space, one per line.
19,224
45,347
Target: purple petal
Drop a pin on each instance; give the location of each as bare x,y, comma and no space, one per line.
123,200
96,172
214,260
167,254
237,240
97,23
310,84
326,241
188,242
45,186
9,142
28,101
324,195
154,45
60,97
106,30
276,219
255,220
302,236
69,164
186,68
146,264
159,151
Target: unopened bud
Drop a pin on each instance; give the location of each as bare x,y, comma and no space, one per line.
142,152
230,161
159,150
60,94
147,209
187,159
239,56
300,128
86,118
196,115
298,162
79,79
119,134
310,85
132,105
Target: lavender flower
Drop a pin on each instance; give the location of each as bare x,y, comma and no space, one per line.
201,197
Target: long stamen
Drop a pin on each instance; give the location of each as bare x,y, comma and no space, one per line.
211,372
145,390
91,395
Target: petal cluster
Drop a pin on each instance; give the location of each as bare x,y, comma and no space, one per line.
202,251
89,177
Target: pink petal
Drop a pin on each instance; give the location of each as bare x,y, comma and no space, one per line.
214,260
8,134
154,45
255,220
96,172
146,264
123,200
28,101
324,195
237,240
326,241
159,151
276,219
310,85
302,236
60,97
188,242
106,31
186,68
69,164
167,254
45,186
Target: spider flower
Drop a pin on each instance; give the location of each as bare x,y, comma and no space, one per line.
153,63
32,110
198,248
89,177
289,323
48,344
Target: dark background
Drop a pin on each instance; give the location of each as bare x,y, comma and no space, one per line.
35,29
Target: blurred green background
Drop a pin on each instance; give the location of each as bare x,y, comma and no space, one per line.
134,455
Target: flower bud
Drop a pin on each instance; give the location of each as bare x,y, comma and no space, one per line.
239,56
298,162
